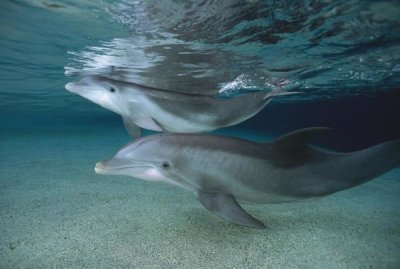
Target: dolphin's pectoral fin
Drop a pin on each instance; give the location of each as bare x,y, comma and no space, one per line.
279,93
131,127
225,206
161,126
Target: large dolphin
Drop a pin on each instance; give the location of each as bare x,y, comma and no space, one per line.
221,171
166,110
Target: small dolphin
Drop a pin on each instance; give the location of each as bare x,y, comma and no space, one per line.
221,171
166,110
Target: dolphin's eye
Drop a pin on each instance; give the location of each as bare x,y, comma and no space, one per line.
165,165
112,89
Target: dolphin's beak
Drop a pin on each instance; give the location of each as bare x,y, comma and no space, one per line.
112,166
71,86
117,166
100,167
77,86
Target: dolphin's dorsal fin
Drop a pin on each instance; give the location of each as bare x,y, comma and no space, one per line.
226,207
291,149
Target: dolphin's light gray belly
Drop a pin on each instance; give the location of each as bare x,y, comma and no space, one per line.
196,114
172,116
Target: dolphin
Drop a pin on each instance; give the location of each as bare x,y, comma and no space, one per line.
168,110
222,171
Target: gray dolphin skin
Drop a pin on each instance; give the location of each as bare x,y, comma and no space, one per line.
223,171
166,110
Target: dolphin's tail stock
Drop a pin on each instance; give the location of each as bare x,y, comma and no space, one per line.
364,165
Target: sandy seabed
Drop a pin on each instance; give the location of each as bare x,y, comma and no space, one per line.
55,212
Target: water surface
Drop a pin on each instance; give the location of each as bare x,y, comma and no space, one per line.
344,56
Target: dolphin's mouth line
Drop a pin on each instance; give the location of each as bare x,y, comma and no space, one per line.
112,166
129,164
121,167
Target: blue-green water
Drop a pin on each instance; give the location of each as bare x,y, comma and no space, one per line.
55,212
